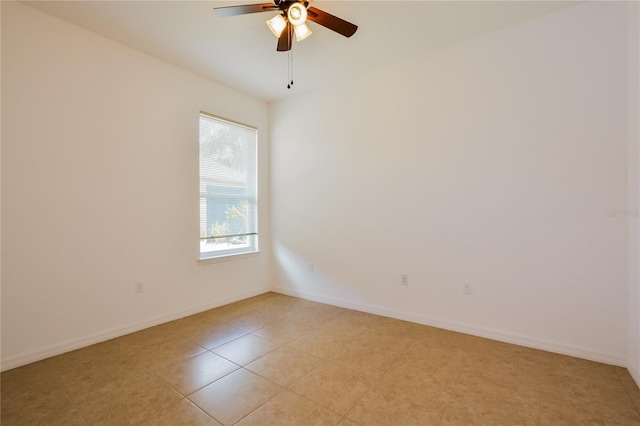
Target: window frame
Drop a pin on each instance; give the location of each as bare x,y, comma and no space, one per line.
252,246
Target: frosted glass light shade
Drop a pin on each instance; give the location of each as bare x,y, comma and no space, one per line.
302,32
277,24
297,14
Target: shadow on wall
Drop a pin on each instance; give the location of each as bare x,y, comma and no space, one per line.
299,276
295,273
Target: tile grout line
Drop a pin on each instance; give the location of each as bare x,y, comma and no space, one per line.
370,389
264,403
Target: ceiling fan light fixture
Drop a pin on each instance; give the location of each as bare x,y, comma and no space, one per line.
302,31
297,14
277,24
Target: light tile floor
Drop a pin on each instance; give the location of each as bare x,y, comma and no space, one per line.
278,360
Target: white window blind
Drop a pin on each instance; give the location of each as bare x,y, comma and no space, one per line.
228,188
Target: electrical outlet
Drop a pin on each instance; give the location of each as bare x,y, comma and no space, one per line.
139,287
404,279
467,288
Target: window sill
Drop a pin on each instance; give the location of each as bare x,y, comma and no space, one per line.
227,257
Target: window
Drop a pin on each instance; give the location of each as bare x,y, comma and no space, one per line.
228,188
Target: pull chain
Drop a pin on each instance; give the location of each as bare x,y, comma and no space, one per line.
290,69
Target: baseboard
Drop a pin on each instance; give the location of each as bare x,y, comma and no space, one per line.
467,329
47,352
53,350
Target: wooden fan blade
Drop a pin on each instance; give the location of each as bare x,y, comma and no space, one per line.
334,23
243,9
286,39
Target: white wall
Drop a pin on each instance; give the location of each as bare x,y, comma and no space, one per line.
634,189
492,162
100,189
0,185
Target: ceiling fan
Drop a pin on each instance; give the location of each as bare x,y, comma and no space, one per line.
291,20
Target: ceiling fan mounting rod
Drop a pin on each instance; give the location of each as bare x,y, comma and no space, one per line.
285,4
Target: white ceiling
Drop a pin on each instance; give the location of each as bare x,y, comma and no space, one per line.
241,52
